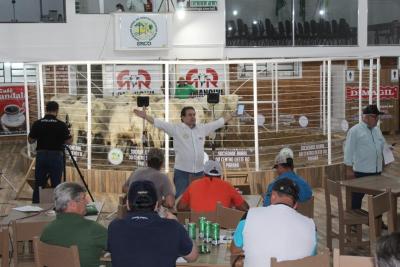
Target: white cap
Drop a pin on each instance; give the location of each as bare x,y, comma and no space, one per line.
283,156
212,168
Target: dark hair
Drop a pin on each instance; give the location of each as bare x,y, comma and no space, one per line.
142,196
120,6
287,187
155,158
289,163
51,106
183,111
388,250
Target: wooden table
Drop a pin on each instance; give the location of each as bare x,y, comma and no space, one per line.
253,200
220,256
47,215
373,185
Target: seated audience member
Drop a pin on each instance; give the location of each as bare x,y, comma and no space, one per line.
143,238
165,190
388,251
203,194
275,231
71,228
284,167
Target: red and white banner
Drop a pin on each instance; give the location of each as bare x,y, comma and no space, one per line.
204,78
12,110
135,79
386,92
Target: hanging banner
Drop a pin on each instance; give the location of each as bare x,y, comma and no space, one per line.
140,31
205,78
198,5
12,110
386,92
135,79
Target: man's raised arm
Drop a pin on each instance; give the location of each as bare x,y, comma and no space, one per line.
142,114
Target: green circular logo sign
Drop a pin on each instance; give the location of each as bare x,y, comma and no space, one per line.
115,156
143,29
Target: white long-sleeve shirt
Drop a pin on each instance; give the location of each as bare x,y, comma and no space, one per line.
364,148
189,142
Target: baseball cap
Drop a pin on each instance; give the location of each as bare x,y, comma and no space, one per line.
142,195
288,187
212,168
285,156
372,110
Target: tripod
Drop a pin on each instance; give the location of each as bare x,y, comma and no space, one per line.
162,2
2,176
79,171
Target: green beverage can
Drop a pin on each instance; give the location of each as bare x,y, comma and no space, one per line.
192,230
202,225
215,233
207,233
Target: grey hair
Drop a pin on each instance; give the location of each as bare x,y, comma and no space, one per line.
65,192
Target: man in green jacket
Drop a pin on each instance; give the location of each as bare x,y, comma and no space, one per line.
183,89
71,228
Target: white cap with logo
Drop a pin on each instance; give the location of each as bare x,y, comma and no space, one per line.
212,168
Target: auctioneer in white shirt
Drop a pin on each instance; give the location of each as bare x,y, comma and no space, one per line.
189,142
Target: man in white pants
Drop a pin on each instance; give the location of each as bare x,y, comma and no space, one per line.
275,231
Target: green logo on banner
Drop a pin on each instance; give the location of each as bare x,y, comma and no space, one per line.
144,30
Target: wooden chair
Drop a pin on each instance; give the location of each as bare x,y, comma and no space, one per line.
4,247
24,231
307,208
346,219
122,210
228,218
351,261
55,256
320,260
377,206
210,216
183,216
46,195
243,188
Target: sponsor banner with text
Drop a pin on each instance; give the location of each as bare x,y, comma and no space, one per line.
205,78
386,92
134,79
12,110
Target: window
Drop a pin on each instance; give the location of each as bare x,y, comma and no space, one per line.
32,11
383,22
269,23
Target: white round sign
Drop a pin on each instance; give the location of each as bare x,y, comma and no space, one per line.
345,125
303,121
260,120
115,156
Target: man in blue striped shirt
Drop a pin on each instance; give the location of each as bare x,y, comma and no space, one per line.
363,151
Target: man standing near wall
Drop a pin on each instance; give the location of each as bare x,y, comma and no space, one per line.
51,134
189,139
363,151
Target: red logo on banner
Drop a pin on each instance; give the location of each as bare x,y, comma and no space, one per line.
386,92
128,80
12,109
199,79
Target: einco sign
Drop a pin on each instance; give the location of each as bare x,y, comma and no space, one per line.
140,31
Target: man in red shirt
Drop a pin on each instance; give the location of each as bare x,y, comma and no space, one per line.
203,194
